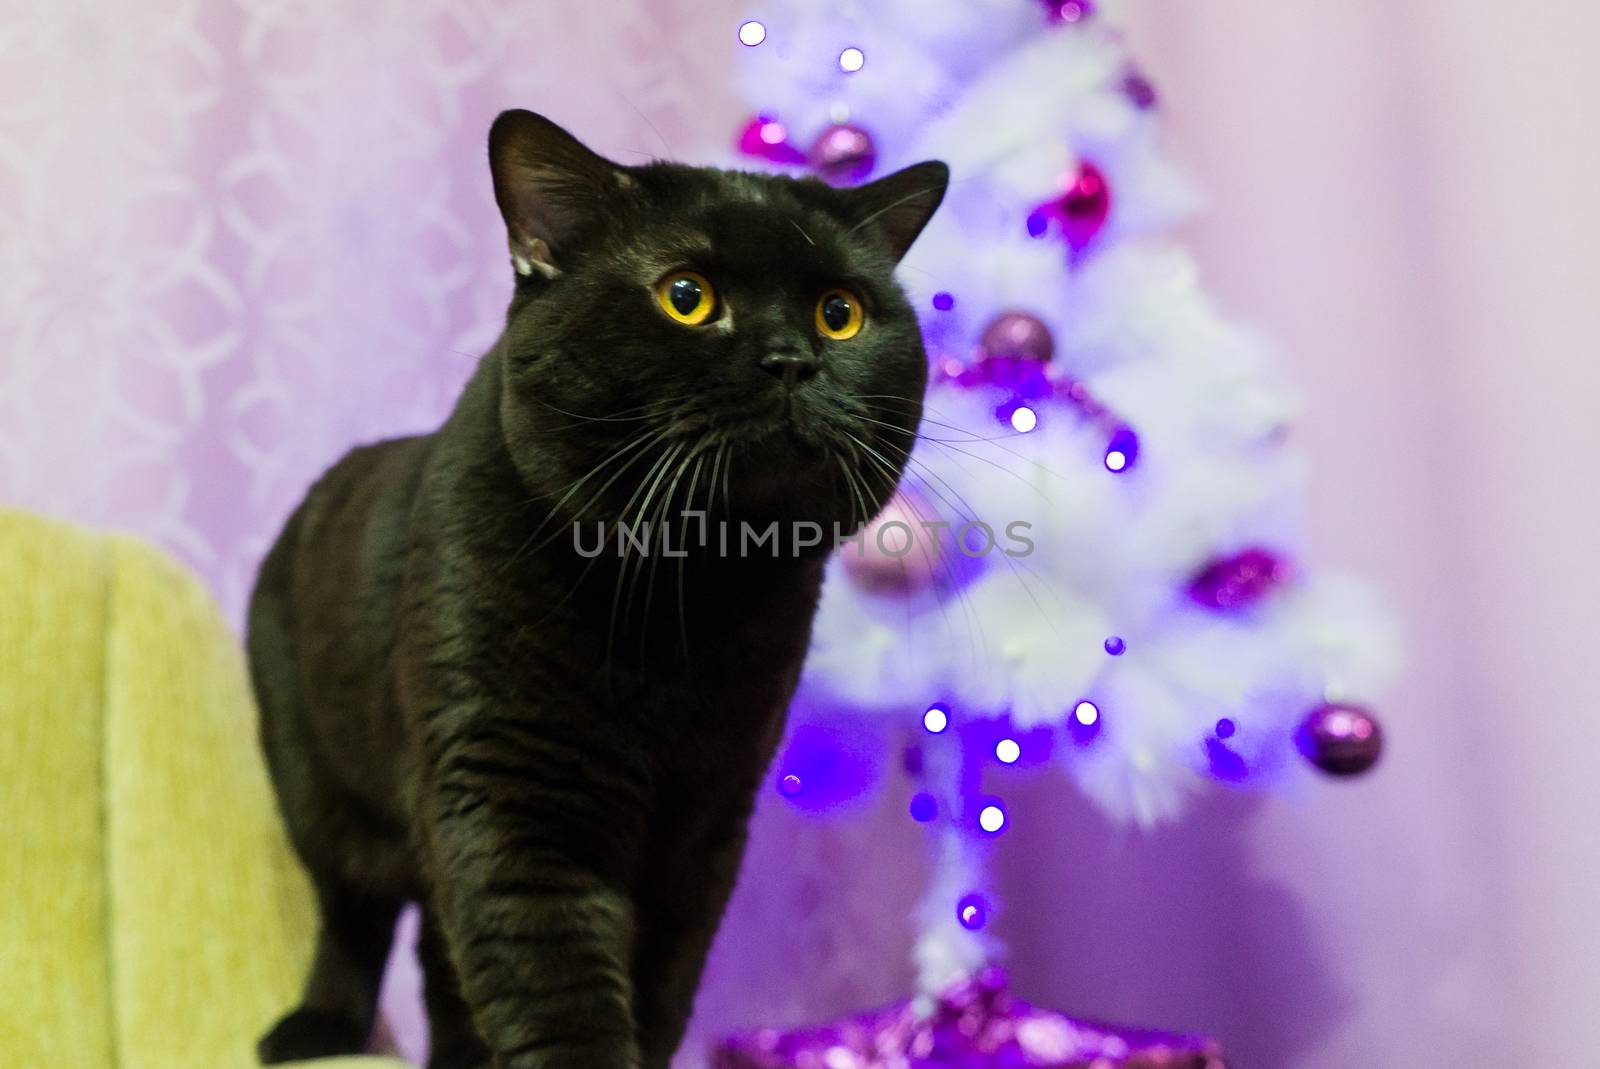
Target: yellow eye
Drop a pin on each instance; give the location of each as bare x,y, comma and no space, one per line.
839,315
687,297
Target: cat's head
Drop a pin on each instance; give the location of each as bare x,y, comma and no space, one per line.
689,338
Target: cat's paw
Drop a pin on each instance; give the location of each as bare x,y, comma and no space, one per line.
468,1058
306,1034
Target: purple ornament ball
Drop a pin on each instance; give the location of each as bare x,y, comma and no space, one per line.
1058,11
1139,90
1340,739
1240,580
1017,334
843,153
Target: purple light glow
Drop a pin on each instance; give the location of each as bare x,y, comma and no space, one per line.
1085,723
972,911
924,807
1122,450
1225,728
1226,765
828,763
943,301
1115,646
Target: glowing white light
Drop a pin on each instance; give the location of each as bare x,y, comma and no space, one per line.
969,915
1007,751
1024,420
752,33
991,818
1116,460
773,132
935,719
852,59
1087,713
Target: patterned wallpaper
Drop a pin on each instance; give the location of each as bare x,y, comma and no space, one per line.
238,237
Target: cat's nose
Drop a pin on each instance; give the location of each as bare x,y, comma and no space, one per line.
793,366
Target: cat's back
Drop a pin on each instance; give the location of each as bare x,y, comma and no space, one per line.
349,550
321,628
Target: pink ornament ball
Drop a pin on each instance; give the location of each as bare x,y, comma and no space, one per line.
843,154
895,554
1340,739
765,138
1017,334
1080,212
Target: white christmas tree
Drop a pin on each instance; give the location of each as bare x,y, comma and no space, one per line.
1092,559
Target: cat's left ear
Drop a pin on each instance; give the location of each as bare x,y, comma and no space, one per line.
899,205
550,188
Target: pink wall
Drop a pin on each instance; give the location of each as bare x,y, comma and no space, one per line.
246,235
1402,194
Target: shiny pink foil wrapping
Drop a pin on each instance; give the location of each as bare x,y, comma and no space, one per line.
975,1024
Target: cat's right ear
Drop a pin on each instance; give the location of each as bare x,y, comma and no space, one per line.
549,187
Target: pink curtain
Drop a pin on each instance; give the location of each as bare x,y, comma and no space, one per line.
237,237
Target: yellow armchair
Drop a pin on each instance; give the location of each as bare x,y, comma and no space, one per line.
152,914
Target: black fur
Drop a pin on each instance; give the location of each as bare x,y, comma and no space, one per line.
557,755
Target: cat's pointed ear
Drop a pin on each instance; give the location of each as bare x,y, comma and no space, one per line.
549,187
899,205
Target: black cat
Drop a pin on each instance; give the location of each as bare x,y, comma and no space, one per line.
555,750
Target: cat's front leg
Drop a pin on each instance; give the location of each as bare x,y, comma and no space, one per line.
681,909
532,843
